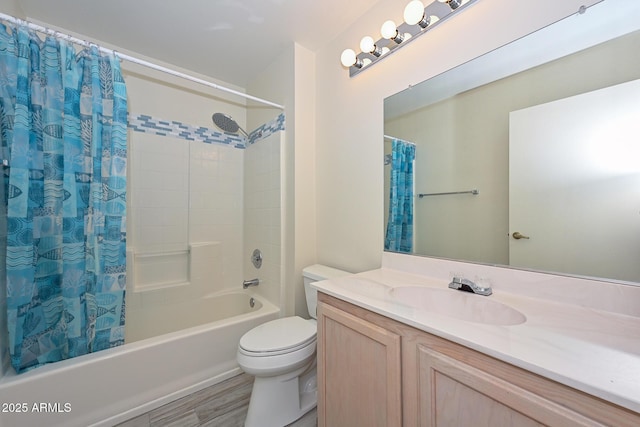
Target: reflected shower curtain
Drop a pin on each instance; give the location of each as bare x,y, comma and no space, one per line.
63,118
399,235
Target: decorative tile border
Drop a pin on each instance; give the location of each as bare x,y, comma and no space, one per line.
147,124
267,129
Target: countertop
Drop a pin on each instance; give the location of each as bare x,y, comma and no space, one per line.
589,349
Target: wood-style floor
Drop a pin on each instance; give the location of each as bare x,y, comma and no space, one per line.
221,405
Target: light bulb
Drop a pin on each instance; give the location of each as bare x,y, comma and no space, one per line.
367,44
389,30
348,58
413,12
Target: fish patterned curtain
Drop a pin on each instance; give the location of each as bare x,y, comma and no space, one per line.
63,123
399,235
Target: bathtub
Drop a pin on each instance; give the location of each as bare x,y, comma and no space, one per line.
114,385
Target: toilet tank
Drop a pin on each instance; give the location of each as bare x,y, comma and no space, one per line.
315,273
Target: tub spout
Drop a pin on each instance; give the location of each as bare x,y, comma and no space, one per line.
252,282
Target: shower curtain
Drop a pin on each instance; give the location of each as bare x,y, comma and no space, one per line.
399,235
63,118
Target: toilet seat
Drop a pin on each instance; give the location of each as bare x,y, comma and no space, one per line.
277,337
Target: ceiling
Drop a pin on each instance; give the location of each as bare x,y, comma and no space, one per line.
229,40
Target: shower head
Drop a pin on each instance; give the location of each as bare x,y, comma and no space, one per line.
227,124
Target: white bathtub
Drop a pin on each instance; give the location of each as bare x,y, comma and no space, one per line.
111,386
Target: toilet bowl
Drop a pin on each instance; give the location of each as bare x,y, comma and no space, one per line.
277,347
281,355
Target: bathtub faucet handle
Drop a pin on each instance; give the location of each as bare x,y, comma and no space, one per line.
252,282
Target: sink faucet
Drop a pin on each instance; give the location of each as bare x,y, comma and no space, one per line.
467,285
252,282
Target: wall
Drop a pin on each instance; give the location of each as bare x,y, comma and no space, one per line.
349,124
290,80
304,179
185,225
262,219
186,228
11,7
275,84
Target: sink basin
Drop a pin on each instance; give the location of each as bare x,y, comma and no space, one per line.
457,304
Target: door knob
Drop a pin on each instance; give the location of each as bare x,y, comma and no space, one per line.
517,235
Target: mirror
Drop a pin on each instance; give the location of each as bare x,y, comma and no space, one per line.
525,156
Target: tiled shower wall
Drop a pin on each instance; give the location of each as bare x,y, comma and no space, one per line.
185,226
197,210
262,213
183,192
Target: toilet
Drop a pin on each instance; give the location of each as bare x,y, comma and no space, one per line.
281,355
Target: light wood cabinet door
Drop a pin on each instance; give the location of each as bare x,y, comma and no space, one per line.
359,376
454,386
457,394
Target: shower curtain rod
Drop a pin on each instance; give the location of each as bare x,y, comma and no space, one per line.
135,60
399,139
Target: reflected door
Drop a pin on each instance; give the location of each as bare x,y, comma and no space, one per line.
574,189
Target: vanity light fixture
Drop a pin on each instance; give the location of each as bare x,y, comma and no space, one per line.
418,19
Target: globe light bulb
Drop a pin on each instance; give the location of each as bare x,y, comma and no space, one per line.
414,12
367,44
389,30
348,58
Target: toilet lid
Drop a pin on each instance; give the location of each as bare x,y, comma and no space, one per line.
287,333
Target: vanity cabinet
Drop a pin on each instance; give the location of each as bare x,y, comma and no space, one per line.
359,375
373,371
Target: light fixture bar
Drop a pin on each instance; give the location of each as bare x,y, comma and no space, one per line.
440,9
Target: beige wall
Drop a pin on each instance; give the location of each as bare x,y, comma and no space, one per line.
350,112
276,84
290,80
11,7
262,219
304,181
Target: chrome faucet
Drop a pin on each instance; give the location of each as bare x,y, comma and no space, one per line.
252,282
467,285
